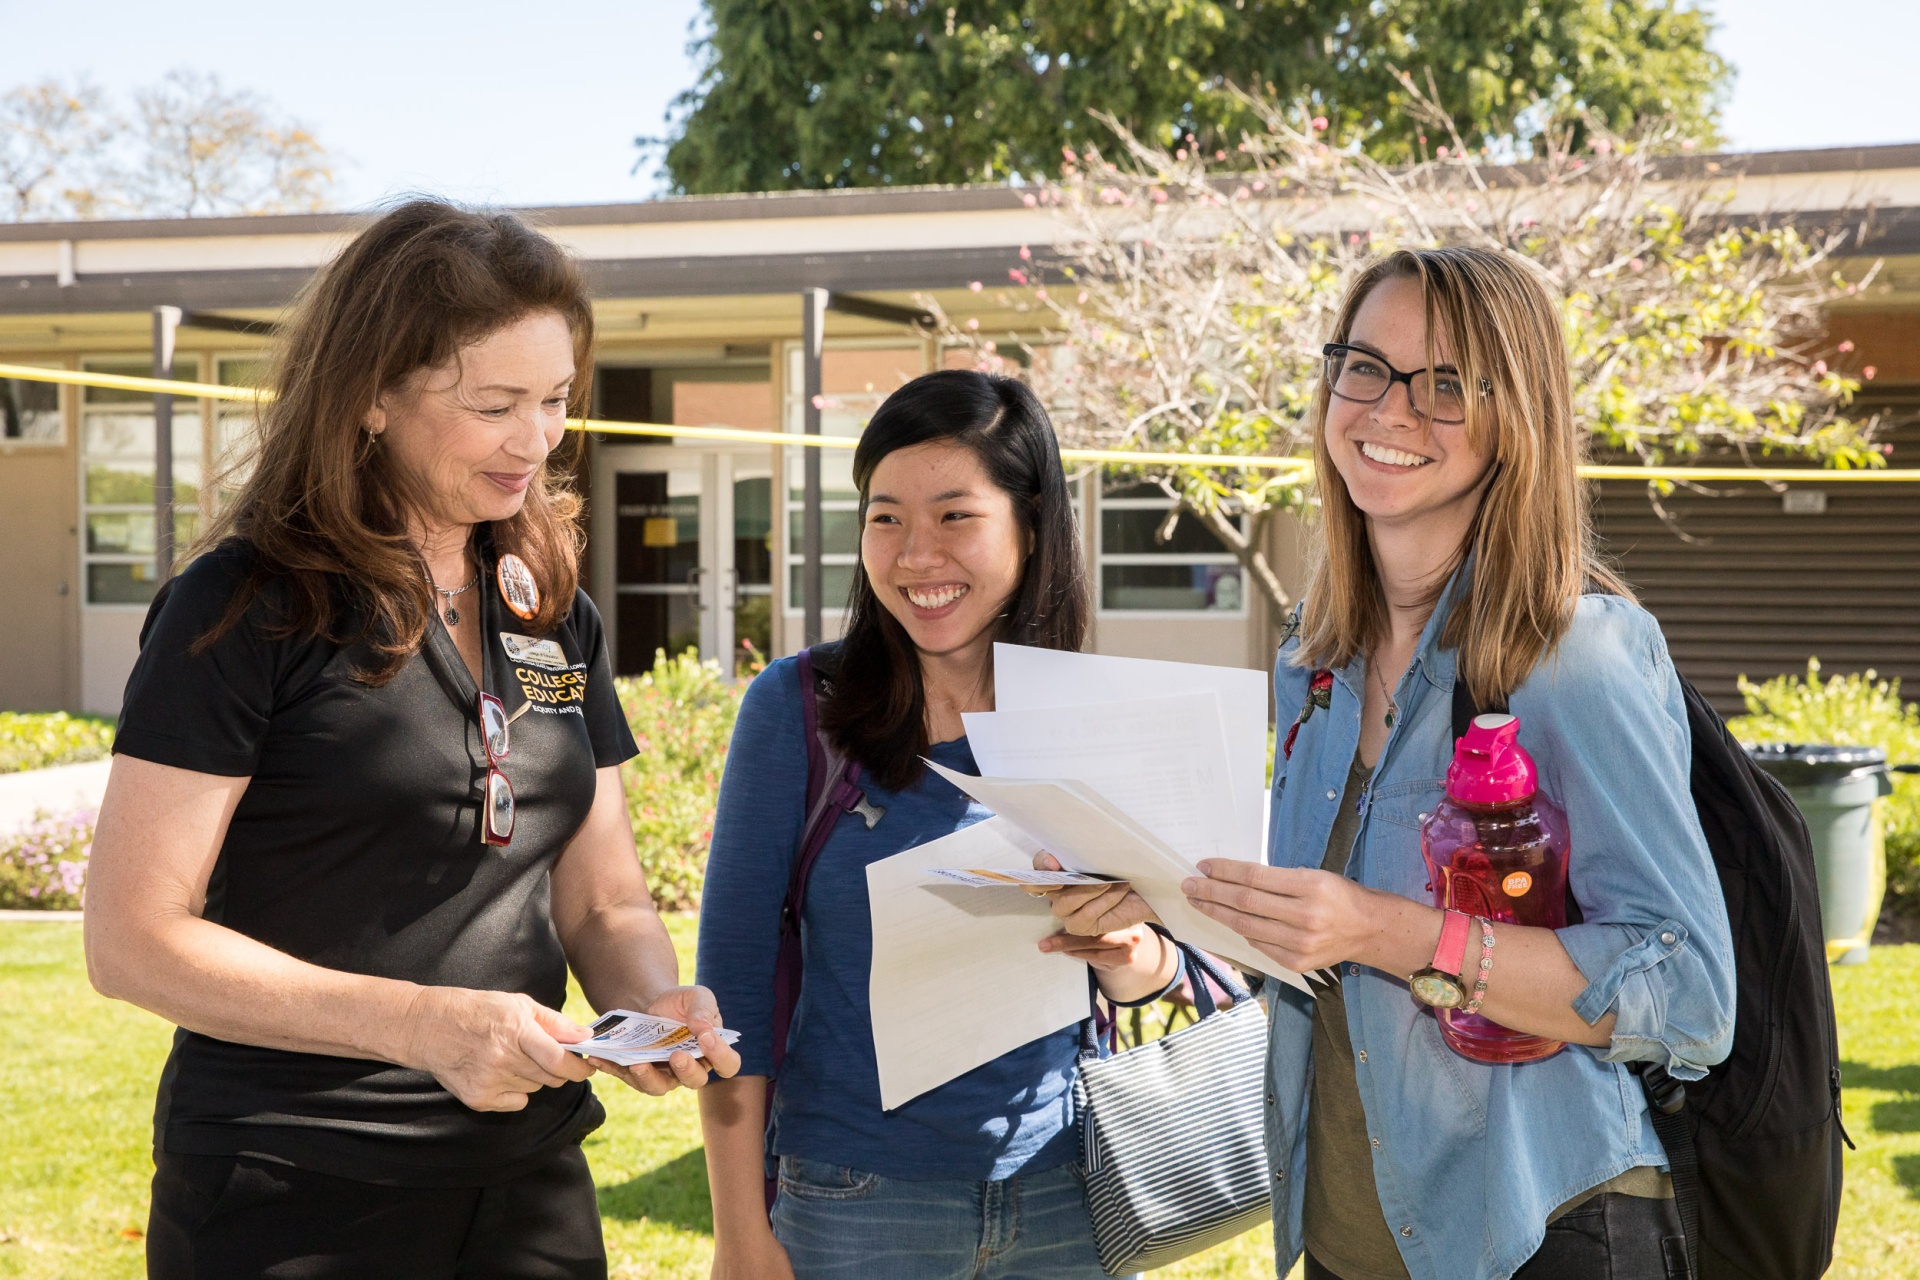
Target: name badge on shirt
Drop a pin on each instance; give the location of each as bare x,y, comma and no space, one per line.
546,654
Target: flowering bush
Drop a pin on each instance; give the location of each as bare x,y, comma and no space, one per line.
44,866
31,740
1853,710
682,715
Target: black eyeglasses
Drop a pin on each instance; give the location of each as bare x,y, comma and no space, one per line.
496,805
1356,374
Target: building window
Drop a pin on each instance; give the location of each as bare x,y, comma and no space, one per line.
233,425
30,412
841,415
753,561
116,453
1147,567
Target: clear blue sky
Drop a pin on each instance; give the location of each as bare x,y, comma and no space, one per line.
520,104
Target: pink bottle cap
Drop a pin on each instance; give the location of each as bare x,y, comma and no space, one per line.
1489,764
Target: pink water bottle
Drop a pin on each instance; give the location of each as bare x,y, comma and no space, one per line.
1497,847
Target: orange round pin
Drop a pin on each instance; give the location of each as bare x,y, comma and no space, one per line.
1517,884
517,587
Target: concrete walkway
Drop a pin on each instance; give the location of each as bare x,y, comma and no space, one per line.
56,792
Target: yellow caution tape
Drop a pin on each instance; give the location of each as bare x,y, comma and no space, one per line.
1118,457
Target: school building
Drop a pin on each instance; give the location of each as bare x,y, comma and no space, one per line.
706,307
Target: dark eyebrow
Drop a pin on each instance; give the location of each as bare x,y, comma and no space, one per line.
1375,351
948,496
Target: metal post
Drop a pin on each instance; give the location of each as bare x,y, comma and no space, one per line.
166,327
813,323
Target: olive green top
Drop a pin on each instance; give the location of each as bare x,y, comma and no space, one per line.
1345,1228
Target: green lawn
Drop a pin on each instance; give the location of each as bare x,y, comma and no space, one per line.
76,1099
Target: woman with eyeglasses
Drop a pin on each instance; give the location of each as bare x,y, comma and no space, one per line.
1457,550
366,812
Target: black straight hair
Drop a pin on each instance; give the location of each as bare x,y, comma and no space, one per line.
875,706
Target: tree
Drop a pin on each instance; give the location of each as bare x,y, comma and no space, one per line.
190,149
1192,292
831,93
53,139
210,151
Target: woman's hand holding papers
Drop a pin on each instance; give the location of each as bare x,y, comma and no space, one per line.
1309,919
1091,910
1104,925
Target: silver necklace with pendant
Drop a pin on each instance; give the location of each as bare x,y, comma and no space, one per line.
452,615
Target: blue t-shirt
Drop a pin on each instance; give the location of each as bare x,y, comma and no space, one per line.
1012,1115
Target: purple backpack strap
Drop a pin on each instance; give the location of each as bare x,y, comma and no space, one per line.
833,788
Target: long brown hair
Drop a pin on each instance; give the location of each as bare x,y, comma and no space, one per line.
324,509
876,711
1532,539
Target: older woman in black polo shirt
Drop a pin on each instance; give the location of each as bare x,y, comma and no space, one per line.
366,807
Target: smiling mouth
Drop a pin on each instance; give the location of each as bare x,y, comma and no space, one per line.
934,597
1391,457
511,481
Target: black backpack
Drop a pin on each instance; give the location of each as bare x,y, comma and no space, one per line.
1755,1145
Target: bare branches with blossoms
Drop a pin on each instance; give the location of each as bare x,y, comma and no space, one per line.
1184,303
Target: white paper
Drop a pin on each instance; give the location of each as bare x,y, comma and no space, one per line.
1162,760
1025,678
1088,833
958,977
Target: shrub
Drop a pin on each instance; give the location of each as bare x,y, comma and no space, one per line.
682,715
33,740
44,866
1855,710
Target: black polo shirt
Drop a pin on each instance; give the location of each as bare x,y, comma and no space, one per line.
357,847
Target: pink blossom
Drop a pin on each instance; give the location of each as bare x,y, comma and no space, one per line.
972,325
1016,275
1320,122
1846,345
1029,200
1159,195
1041,294
1082,299
1219,155
1442,153
1026,254
1637,264
1066,153
1241,193
1868,373
1180,153
976,286
1819,368
1602,146
819,402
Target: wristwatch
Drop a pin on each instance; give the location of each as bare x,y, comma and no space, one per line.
1439,983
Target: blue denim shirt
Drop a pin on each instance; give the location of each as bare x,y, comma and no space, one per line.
1470,1158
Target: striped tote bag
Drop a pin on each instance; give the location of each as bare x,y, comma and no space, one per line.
1172,1132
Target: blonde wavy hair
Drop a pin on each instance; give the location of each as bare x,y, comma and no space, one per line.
1531,540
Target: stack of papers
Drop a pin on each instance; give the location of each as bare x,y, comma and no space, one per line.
626,1038
1122,769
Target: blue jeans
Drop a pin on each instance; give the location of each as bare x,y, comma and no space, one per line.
840,1223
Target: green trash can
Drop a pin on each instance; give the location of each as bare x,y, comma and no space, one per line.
1841,791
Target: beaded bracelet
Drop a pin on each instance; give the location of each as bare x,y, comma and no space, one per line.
1486,965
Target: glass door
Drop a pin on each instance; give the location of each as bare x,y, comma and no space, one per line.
657,566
